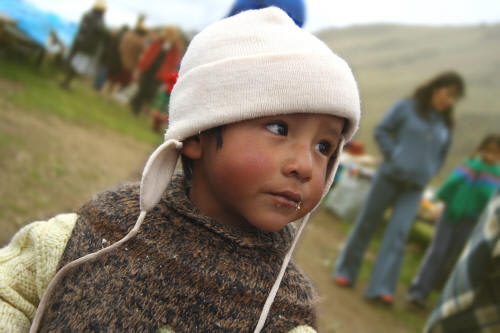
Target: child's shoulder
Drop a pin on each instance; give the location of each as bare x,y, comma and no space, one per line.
117,197
120,203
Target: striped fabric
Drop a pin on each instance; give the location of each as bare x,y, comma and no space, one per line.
471,298
468,189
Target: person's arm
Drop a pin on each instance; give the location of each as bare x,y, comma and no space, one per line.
450,186
444,151
27,264
387,128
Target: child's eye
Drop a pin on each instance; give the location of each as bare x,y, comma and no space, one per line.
279,128
324,147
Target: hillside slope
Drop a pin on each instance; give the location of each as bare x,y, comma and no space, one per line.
389,61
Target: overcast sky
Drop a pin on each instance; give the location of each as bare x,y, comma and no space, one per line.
196,14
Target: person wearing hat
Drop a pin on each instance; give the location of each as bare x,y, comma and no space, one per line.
159,60
207,249
91,33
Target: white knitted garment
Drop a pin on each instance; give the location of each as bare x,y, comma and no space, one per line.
27,265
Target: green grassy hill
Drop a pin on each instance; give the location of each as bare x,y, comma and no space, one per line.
389,61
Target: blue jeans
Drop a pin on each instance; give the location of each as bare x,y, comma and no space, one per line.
447,244
384,193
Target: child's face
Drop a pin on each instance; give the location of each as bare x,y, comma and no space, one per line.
265,169
490,154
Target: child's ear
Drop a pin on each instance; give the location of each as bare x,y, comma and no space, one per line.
191,147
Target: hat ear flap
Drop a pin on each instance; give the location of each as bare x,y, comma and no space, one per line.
334,169
158,172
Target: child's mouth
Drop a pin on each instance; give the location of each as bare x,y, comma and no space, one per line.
286,199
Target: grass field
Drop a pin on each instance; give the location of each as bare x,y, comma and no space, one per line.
57,148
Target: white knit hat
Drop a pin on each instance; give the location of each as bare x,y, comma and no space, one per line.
254,64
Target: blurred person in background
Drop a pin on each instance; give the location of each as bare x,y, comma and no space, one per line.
470,301
132,44
159,106
294,8
160,59
465,193
111,62
90,34
414,138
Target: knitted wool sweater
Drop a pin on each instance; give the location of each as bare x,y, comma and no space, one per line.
183,270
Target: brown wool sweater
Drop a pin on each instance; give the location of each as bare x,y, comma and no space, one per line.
183,270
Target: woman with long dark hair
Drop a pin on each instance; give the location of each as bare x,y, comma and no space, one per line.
414,138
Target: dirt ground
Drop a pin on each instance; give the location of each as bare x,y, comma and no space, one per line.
92,160
58,165
345,310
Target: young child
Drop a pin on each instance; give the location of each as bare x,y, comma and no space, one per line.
465,194
259,113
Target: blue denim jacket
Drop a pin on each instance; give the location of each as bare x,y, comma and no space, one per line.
414,147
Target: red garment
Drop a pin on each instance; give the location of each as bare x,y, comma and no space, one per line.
149,55
170,62
169,79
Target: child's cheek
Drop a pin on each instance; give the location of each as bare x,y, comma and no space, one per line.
243,173
251,168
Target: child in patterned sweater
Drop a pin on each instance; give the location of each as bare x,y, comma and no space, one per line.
465,194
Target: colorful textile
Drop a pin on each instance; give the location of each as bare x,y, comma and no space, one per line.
471,298
160,101
169,64
468,189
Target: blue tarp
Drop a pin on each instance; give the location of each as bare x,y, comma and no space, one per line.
37,24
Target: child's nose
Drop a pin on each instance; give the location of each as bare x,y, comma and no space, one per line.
299,163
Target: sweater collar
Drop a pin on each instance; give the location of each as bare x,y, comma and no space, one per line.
176,197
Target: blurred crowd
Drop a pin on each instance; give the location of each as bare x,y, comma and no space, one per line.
132,65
